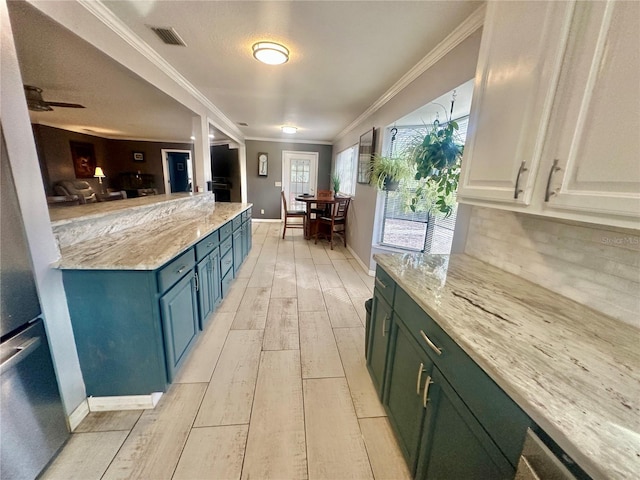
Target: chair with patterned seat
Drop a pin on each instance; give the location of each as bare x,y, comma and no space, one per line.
290,214
335,223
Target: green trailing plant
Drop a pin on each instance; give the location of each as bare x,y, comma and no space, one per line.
389,170
335,179
437,160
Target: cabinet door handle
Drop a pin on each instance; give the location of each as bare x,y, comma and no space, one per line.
384,325
517,191
425,397
418,381
380,283
210,244
197,282
432,345
181,269
554,168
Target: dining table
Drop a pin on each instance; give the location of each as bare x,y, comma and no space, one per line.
310,200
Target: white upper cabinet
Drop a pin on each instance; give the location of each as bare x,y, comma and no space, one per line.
557,92
518,68
595,127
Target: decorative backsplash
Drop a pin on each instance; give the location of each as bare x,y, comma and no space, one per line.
596,266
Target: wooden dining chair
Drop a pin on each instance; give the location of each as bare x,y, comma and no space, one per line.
335,223
322,208
290,214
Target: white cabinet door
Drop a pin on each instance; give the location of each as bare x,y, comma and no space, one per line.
518,69
595,128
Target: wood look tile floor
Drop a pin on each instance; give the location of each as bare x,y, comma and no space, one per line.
275,388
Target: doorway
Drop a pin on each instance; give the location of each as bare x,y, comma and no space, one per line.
299,175
178,170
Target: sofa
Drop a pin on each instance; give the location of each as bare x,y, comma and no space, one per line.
85,192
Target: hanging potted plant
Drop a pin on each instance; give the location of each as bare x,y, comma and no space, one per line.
437,160
388,172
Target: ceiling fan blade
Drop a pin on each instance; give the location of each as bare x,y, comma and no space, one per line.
65,105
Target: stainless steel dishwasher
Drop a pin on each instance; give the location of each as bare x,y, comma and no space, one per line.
539,462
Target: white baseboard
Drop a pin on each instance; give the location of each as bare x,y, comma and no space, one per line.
127,402
266,220
78,415
371,273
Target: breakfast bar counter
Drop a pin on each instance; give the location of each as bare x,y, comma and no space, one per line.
575,372
136,234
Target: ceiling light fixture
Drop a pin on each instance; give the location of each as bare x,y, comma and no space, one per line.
289,129
211,135
192,137
270,53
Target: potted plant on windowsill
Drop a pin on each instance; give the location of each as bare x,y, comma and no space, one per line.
335,180
388,172
437,158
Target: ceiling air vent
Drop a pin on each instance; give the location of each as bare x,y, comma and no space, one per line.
169,36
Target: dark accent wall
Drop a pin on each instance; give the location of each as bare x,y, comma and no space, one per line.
261,191
114,156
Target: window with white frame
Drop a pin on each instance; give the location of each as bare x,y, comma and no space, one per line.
346,165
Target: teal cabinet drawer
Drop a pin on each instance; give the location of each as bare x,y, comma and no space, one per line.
244,216
249,213
501,417
226,283
236,222
207,244
226,245
225,230
385,285
175,270
226,263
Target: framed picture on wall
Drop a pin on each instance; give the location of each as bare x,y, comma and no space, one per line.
365,155
138,156
263,164
84,159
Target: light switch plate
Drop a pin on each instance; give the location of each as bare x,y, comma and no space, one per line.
278,184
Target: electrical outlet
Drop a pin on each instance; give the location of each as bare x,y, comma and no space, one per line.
262,211
278,184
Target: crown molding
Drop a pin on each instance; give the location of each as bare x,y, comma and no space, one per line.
106,16
464,30
285,140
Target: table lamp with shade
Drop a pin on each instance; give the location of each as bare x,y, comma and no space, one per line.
100,175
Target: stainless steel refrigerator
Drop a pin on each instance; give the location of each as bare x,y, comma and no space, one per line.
33,424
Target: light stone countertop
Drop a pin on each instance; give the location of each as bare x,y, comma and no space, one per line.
150,244
574,371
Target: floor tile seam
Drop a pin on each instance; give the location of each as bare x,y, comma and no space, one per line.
353,405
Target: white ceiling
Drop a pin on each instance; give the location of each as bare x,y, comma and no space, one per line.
344,56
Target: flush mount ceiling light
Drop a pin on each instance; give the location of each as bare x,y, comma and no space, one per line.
289,129
270,53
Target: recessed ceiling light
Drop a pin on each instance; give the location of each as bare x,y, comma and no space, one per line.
192,137
211,135
270,53
289,129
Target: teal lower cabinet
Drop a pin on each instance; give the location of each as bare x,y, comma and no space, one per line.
381,316
451,420
179,309
409,370
453,444
237,250
209,286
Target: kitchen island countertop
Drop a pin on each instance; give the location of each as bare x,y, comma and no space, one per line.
148,244
574,371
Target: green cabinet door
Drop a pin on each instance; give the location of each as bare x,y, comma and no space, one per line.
205,297
179,309
454,445
381,315
237,250
409,369
209,287
246,227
